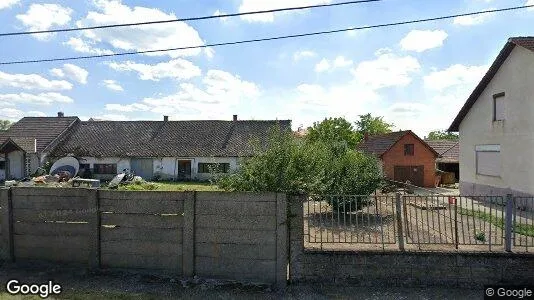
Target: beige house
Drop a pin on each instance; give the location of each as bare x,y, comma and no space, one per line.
496,126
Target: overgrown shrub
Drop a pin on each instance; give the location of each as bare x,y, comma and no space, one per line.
286,165
139,186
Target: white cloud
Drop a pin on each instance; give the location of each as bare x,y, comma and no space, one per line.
127,108
210,52
453,76
303,54
32,82
72,72
11,113
57,72
530,2
412,109
261,5
34,113
44,17
36,99
341,62
76,73
138,38
471,20
88,47
338,62
386,70
217,97
8,3
112,85
220,13
113,117
422,40
178,69
322,66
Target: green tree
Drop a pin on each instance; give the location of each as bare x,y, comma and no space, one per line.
442,135
372,126
5,124
312,167
333,131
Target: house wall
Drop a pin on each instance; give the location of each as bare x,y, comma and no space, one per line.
515,134
2,171
422,157
15,165
166,167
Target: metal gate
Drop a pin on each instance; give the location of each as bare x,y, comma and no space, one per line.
143,167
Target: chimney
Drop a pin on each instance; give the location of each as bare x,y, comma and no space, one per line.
366,136
235,118
60,114
165,118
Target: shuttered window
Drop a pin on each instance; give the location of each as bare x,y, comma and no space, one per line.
488,160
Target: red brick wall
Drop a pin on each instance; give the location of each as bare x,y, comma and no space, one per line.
422,157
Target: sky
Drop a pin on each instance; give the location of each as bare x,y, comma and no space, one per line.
416,76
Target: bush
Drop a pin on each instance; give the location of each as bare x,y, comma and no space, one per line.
312,167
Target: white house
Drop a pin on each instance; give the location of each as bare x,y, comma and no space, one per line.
166,150
26,144
496,126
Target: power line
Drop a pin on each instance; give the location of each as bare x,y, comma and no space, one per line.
188,19
266,39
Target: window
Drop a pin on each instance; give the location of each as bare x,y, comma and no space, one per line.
105,168
217,168
498,107
408,150
488,160
2,165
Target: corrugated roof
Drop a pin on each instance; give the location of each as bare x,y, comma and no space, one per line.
449,151
166,138
43,129
525,42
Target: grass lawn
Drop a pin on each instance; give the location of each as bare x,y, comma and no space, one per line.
524,229
171,186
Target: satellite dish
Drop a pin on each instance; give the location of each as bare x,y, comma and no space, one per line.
69,164
116,180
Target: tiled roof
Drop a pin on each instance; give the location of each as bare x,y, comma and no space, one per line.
166,138
448,150
525,42
380,144
43,129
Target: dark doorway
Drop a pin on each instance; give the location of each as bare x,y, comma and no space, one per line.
414,174
184,170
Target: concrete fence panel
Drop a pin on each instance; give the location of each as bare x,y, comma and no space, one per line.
141,230
52,226
236,236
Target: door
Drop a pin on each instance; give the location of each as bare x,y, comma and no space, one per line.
184,170
414,174
143,167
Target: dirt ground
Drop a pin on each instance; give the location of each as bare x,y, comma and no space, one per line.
80,284
429,224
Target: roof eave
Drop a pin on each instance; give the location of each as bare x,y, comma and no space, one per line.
503,55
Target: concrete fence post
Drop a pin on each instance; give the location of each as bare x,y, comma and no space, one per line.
398,212
188,236
7,225
508,222
296,235
281,241
93,210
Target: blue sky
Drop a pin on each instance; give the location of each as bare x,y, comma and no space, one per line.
415,76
